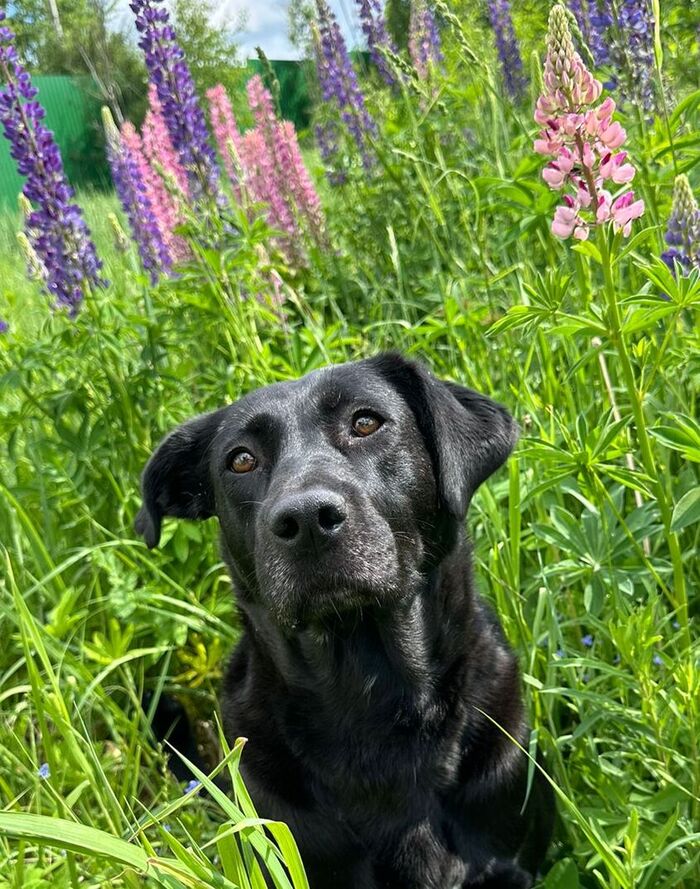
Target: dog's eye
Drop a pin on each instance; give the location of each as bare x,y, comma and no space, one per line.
365,424
243,461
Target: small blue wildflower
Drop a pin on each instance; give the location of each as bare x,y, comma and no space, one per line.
4,326
587,640
44,771
560,653
676,625
167,828
192,785
658,660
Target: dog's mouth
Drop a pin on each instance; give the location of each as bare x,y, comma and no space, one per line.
318,588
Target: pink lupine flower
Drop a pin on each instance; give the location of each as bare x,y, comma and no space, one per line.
582,139
168,199
279,176
624,211
613,166
157,144
225,128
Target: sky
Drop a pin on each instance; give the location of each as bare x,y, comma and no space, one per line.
265,24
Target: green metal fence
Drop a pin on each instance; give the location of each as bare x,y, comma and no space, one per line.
73,114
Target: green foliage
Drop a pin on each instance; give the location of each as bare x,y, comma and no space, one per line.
210,48
586,543
74,38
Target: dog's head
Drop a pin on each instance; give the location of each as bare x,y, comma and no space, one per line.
333,491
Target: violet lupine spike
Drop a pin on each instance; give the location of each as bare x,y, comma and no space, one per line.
683,229
55,227
508,49
424,46
632,52
169,71
128,176
375,31
593,20
339,84
326,135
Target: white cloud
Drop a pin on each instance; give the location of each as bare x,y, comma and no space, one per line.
265,24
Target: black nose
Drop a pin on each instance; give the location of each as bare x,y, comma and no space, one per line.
310,516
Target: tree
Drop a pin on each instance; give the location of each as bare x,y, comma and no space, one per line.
72,37
211,50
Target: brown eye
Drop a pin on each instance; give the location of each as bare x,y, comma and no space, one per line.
243,461
365,424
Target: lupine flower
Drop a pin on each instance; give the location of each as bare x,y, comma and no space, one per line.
44,771
507,46
583,140
263,183
157,144
127,165
276,175
225,129
166,179
327,140
424,45
375,31
183,115
683,231
339,82
55,226
632,52
593,21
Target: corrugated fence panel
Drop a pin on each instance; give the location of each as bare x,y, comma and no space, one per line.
73,114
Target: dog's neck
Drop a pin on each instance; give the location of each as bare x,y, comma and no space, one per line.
403,650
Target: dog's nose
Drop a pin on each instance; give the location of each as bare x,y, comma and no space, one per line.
310,516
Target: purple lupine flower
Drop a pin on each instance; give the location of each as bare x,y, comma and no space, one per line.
327,141
423,38
339,84
169,71
593,20
131,188
375,30
4,326
632,52
507,46
55,226
683,228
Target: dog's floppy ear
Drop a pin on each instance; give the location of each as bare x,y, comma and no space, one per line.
176,479
467,434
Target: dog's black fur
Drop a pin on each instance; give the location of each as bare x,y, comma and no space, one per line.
374,684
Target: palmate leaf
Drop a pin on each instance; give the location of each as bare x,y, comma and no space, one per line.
683,436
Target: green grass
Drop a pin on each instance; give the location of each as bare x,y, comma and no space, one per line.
587,543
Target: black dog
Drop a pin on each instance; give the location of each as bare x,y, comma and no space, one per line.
367,660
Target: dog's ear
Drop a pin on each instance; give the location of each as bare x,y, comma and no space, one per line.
468,435
176,479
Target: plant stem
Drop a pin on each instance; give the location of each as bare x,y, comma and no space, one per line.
680,598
